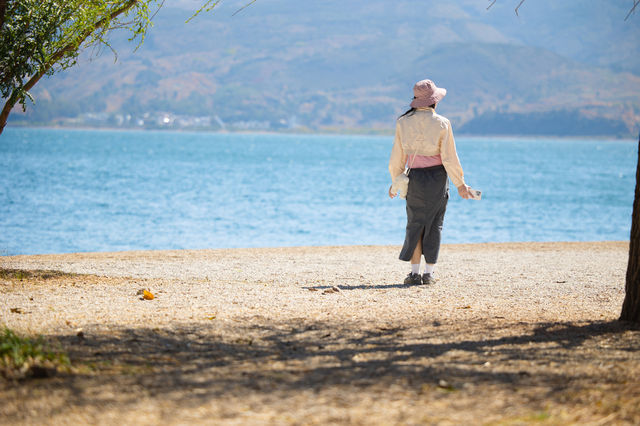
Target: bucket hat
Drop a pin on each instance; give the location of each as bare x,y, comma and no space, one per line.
426,93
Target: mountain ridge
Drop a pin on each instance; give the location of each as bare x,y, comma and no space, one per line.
326,65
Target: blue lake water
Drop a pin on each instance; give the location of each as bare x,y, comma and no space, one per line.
70,190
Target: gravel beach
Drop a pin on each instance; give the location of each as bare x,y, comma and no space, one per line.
511,332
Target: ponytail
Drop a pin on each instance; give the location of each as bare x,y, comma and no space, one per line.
412,110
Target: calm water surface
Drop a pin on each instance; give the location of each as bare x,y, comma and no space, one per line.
70,190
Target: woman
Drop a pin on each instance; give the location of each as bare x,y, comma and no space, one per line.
424,143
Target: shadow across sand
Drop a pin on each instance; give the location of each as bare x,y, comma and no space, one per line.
193,364
366,286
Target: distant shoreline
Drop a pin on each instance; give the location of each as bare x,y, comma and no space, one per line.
338,132
38,259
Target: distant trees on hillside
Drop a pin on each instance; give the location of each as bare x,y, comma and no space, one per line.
551,123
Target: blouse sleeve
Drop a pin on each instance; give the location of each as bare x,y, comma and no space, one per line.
450,158
398,158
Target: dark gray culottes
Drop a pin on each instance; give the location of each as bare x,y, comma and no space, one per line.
426,204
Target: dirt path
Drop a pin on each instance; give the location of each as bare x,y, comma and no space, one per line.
510,333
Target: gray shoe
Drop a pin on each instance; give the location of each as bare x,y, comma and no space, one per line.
428,279
413,279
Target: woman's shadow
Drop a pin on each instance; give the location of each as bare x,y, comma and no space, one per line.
364,286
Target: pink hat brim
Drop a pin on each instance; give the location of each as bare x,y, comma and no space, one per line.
433,99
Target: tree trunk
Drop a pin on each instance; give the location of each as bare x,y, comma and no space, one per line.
631,305
3,11
6,110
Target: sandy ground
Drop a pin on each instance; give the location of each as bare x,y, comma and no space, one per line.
510,334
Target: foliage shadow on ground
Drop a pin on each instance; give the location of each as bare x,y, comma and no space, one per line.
194,364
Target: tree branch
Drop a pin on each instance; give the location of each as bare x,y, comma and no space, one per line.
633,9
75,44
207,6
635,4
517,7
70,47
249,4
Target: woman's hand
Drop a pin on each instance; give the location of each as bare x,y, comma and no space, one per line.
391,194
464,191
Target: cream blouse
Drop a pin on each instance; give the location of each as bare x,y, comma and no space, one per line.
425,133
